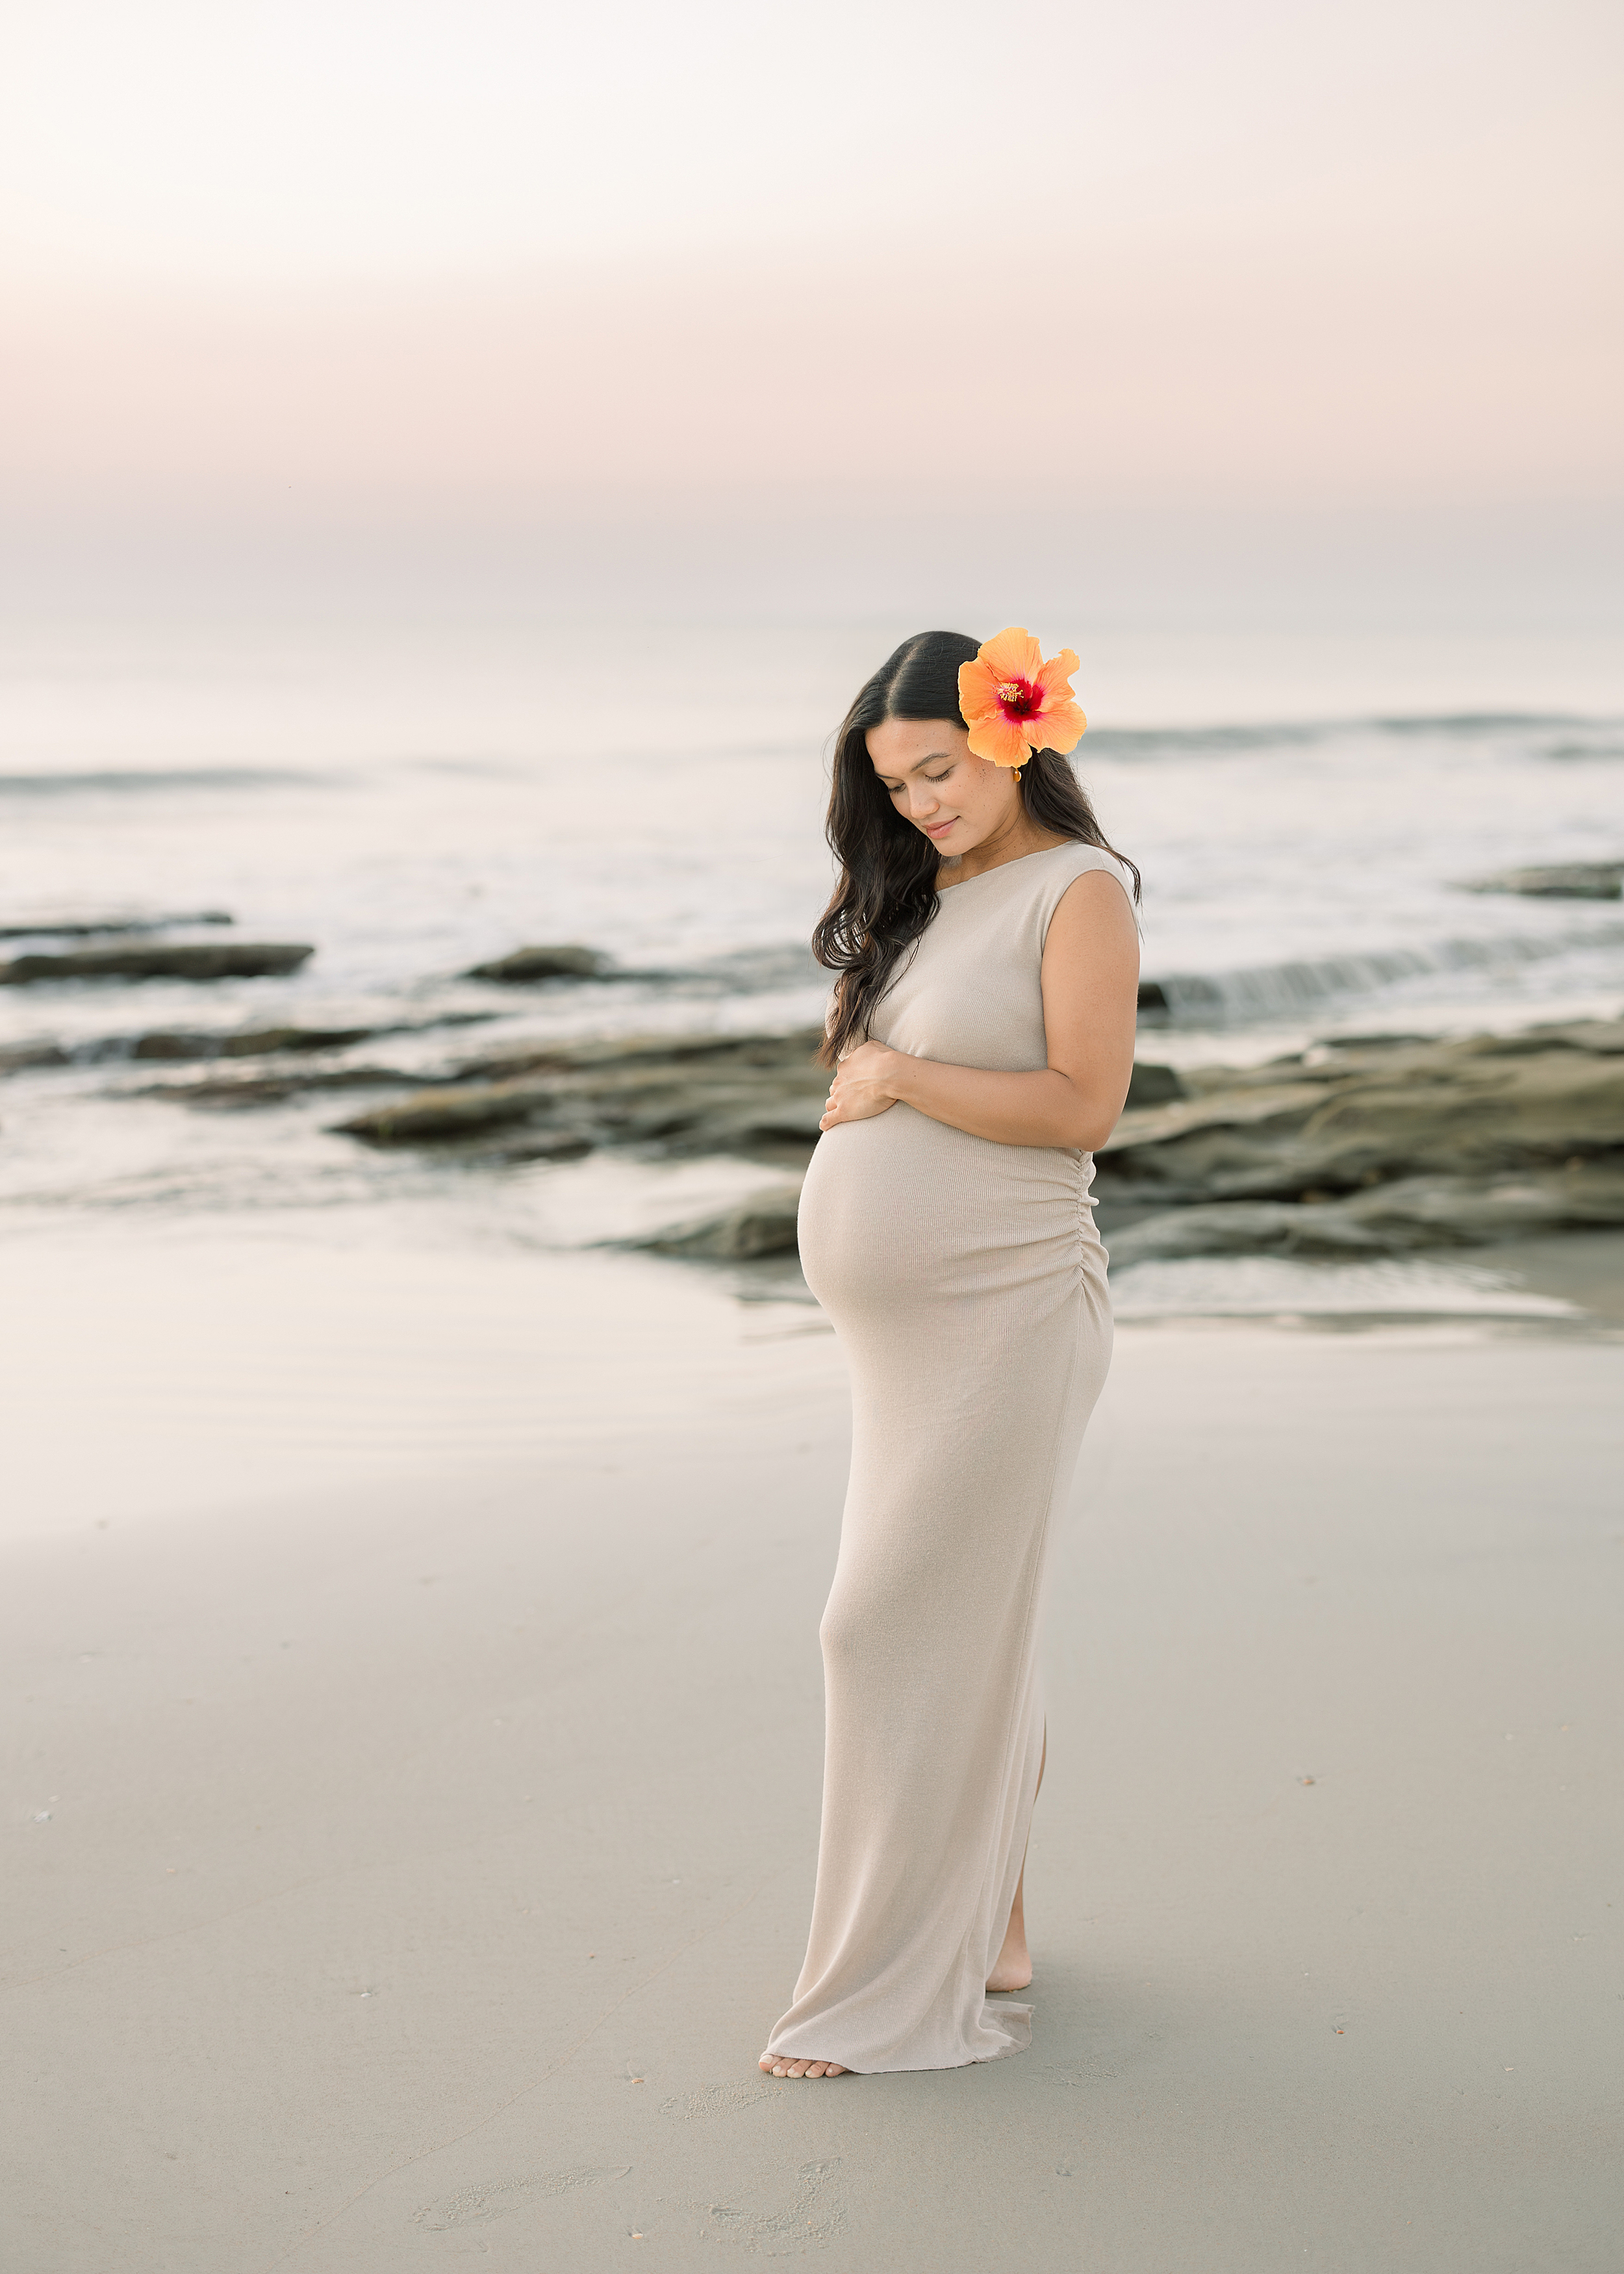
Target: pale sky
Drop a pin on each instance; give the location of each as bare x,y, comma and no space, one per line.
357,251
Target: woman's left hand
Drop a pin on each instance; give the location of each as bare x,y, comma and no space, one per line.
860,1089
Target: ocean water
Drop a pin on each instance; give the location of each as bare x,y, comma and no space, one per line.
412,800
412,806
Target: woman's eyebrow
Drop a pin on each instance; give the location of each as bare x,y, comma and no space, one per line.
931,758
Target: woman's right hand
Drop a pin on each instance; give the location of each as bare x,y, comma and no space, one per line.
859,1090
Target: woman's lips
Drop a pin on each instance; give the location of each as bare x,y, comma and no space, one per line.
939,828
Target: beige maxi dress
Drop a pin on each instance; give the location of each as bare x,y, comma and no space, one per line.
966,1283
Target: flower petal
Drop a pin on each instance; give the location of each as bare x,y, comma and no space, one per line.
978,691
1061,728
1056,673
1013,654
995,737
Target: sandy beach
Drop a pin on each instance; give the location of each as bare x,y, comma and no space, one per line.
407,1874
460,468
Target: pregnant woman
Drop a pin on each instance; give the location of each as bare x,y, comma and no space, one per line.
981,1033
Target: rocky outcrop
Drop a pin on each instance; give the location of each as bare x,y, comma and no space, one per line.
526,965
1153,1085
178,1047
758,1096
249,1042
455,1109
1433,1139
1379,1147
763,1225
173,960
1414,1212
1574,880
19,1057
1369,1144
101,927
222,1092
1335,1120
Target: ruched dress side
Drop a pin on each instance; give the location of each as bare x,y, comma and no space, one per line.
966,1284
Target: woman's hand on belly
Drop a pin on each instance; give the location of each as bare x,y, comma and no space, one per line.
1090,971
860,1090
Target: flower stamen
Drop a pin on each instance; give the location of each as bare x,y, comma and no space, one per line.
1018,698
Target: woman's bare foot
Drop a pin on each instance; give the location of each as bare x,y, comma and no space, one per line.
1013,1968
786,2066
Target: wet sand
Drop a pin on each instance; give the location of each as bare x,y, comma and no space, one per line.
405,1874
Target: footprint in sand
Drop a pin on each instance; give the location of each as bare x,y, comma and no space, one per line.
722,2099
497,2198
814,2213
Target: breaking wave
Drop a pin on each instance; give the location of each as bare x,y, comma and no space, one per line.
1274,990
133,781
1556,735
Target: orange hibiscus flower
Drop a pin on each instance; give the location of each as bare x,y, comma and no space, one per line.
1014,703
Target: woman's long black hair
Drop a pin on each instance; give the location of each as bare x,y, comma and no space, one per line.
887,891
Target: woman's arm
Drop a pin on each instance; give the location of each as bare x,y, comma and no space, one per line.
1091,966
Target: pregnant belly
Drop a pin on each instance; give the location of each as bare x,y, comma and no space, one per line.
902,1210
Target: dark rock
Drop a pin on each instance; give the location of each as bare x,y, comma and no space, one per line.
1414,1212
257,1042
759,1095
172,960
98,927
180,1047
1153,1084
749,1092
227,1091
1375,1147
1469,1212
763,1225
1601,1038
174,1050
435,1114
267,1042
1181,995
527,965
1572,880
1244,1228
543,1146
1473,1108
19,1056
1379,1147
626,1054
1230,1144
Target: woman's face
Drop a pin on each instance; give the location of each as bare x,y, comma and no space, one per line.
934,780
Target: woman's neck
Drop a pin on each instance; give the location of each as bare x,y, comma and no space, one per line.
1020,836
